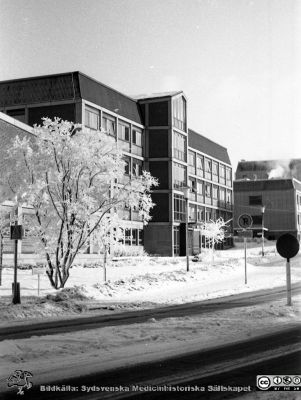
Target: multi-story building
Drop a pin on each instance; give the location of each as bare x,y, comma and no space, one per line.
274,204
153,134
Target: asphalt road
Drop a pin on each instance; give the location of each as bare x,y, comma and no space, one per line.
113,319
188,370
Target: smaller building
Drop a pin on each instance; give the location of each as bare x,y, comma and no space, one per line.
274,204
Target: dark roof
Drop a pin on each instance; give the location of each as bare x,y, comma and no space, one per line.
267,165
262,185
109,98
67,86
207,146
39,89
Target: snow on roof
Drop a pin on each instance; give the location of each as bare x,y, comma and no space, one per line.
155,95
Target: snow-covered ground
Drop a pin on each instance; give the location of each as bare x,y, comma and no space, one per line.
138,279
141,283
147,282
64,355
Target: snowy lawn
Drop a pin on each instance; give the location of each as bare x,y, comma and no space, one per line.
145,282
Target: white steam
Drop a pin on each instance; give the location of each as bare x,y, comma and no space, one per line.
278,172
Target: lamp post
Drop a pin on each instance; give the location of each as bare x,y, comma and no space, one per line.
186,191
262,230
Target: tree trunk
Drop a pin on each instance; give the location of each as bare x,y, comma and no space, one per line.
105,257
1,258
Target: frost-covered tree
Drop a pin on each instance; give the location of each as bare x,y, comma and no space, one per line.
214,232
72,179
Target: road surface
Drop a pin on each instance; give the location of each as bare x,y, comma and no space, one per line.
232,365
133,317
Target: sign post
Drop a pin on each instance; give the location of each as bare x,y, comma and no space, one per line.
16,233
245,221
38,271
288,246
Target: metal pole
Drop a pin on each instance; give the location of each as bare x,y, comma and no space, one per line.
288,282
38,284
187,247
262,233
16,289
16,298
245,248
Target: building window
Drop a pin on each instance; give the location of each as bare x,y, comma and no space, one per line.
123,131
136,167
222,197
191,162
208,168
137,140
179,175
208,190
92,118
134,237
200,191
179,149
228,176
215,192
137,137
214,171
179,113
179,208
192,212
222,174
229,197
109,124
201,213
200,165
140,237
208,214
255,200
127,166
213,214
127,236
192,186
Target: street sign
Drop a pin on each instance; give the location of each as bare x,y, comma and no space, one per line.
16,232
245,221
38,270
287,246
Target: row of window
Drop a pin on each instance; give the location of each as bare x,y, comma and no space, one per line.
132,237
206,168
205,214
195,212
206,192
131,136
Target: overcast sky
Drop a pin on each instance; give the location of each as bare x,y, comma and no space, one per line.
237,61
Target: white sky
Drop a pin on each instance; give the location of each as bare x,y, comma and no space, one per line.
238,61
